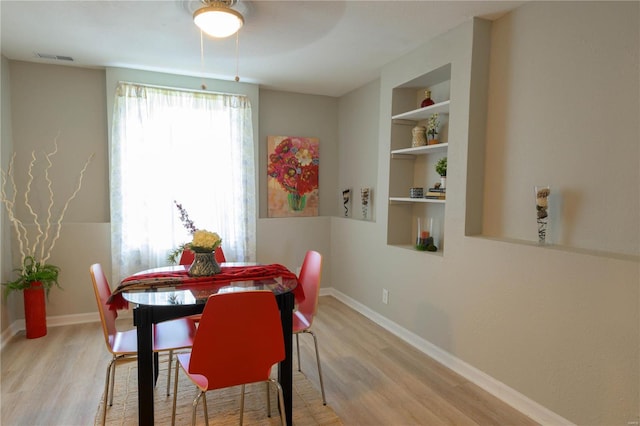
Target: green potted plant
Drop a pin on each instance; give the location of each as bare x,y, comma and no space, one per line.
441,169
35,276
32,272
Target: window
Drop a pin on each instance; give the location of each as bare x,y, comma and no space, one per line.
192,147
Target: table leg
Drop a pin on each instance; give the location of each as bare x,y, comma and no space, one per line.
142,319
286,304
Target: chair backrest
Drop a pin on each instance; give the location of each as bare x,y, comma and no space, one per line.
309,279
239,339
103,291
187,256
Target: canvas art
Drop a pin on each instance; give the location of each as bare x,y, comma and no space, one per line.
292,168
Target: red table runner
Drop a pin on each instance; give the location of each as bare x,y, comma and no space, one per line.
181,278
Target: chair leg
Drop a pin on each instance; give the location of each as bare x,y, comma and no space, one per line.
175,395
268,401
114,362
169,371
206,412
283,419
106,390
315,342
298,349
241,404
193,411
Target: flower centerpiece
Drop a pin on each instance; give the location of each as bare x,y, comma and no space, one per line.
203,244
205,241
36,240
294,165
432,129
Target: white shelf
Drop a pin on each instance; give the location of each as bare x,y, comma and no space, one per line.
413,248
424,113
420,150
415,200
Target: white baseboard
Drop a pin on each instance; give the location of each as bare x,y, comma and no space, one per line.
56,321
498,389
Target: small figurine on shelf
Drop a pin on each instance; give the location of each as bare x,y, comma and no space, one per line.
427,99
432,129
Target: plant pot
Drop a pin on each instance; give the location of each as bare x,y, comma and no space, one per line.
443,182
35,312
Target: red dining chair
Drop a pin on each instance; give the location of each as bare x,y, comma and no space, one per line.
187,256
309,279
167,337
239,340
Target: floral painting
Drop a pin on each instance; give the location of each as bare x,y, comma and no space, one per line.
292,170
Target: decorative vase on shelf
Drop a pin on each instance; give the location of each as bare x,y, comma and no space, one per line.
432,129
542,211
424,239
35,312
419,136
296,201
427,99
204,265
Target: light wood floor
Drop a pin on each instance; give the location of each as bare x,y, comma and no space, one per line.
370,376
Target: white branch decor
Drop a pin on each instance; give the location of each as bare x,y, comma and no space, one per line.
48,224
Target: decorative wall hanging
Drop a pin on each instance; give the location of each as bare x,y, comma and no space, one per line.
292,169
542,211
346,202
365,197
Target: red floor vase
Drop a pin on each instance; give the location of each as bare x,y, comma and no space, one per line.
35,312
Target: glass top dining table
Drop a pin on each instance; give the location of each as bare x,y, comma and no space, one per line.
161,294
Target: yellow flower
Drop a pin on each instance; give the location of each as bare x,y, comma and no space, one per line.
205,241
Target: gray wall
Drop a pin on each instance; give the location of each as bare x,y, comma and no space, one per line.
558,324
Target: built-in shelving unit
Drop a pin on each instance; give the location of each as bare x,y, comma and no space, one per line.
420,170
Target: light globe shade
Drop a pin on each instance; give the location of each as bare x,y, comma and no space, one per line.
218,20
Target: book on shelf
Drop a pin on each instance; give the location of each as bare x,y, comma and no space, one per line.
435,195
442,190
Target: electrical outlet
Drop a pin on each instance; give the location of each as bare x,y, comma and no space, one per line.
385,296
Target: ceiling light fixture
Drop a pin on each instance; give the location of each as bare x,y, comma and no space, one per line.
217,18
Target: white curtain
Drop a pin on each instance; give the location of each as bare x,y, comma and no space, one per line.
192,147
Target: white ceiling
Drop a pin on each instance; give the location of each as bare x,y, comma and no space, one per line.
315,47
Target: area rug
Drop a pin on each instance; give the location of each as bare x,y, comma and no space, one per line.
223,405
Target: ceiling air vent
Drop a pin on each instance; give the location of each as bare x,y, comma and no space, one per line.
54,57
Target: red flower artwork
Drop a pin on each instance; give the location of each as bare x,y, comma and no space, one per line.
294,164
